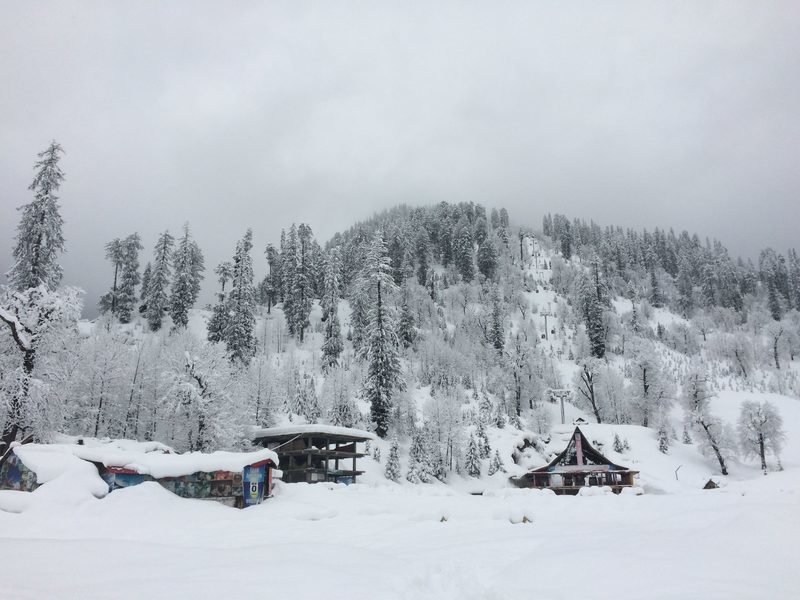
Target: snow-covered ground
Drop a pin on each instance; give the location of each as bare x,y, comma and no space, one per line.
391,541
383,540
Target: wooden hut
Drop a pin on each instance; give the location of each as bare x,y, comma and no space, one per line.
579,465
315,453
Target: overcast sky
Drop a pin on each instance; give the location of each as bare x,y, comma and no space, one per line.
236,115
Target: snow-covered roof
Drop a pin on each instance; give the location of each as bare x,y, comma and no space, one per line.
50,460
260,432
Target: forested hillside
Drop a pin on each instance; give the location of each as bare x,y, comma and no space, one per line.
436,326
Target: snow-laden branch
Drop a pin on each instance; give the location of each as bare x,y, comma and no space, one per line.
21,337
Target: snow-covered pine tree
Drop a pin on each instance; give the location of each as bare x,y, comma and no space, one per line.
422,250
241,304
311,409
592,297
392,470
115,254
500,416
397,256
406,329
485,409
618,447
496,332
496,465
342,410
273,279
687,439
219,314
794,278
157,287
359,318
289,260
189,267
129,278
39,238
317,258
472,460
663,439
656,298
419,462
283,257
333,345
380,350
488,258
148,271
484,450
303,281
436,458
462,250
294,401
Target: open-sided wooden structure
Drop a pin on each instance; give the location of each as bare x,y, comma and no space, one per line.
314,453
578,466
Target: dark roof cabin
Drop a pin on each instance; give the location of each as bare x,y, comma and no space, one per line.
579,465
314,453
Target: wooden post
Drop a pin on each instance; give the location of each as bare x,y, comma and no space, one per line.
327,445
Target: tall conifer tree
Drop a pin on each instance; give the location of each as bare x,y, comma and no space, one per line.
39,234
157,289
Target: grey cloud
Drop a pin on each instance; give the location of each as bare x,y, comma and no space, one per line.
260,114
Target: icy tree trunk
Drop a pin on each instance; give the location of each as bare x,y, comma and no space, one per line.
588,393
645,399
714,447
114,290
129,413
14,421
99,407
762,453
775,349
741,364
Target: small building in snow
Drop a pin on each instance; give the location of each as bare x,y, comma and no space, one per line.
579,465
233,478
315,453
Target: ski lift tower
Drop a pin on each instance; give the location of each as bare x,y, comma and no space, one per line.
560,395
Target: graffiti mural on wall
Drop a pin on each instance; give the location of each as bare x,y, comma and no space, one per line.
16,476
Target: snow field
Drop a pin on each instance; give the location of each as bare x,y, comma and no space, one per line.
389,541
